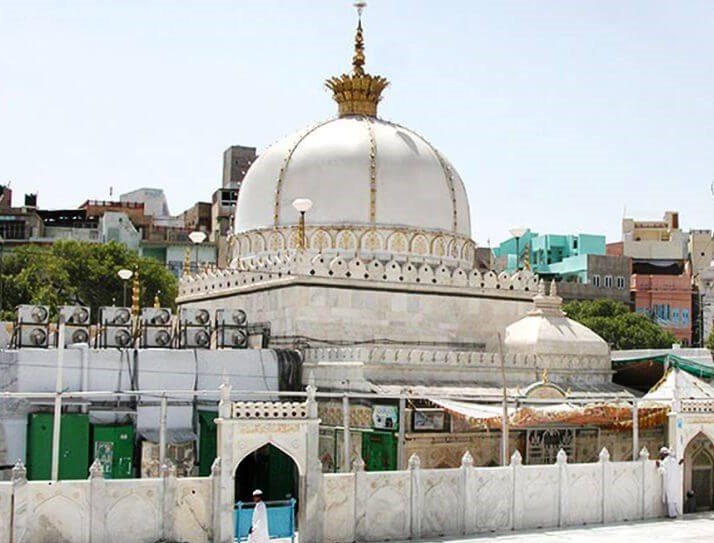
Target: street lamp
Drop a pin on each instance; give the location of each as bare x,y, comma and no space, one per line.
125,275
302,206
197,238
518,233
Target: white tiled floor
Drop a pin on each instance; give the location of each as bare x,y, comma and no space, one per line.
692,528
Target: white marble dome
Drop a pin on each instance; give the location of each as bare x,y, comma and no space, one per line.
358,170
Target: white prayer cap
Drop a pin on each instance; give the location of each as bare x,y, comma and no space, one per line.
257,492
664,450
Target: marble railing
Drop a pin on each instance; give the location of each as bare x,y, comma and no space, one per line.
424,503
253,270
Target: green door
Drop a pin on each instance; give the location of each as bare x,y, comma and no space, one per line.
207,441
379,451
74,446
113,445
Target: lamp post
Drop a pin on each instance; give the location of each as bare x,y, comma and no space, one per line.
518,233
197,238
125,275
302,206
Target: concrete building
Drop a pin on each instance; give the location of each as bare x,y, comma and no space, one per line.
580,264
655,242
661,273
237,160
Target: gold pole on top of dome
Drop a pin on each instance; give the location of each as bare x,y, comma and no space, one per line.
357,93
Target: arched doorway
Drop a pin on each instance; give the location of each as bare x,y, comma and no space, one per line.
699,472
269,469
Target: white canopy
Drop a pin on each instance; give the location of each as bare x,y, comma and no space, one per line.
680,385
472,410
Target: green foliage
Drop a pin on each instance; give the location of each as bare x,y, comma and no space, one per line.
616,324
74,272
710,341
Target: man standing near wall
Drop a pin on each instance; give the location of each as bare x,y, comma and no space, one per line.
671,471
259,524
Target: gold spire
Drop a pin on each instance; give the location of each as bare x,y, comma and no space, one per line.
357,93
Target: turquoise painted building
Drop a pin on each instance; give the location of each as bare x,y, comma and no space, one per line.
556,255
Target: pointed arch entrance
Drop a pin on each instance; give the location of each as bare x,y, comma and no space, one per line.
256,441
269,469
699,471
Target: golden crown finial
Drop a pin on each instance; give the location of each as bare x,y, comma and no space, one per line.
357,93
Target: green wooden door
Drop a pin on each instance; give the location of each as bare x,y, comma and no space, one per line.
114,446
207,441
379,451
74,446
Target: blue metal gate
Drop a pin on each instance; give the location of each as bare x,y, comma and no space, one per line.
281,519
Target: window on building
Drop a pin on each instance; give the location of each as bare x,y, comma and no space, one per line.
685,317
596,280
675,317
608,281
662,313
620,281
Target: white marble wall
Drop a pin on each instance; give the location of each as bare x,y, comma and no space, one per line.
358,506
444,502
102,511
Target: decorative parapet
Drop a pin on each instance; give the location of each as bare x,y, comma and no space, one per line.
288,265
270,410
697,406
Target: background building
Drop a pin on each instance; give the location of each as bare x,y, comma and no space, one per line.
578,262
661,275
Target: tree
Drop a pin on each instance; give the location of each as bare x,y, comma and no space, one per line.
616,324
74,272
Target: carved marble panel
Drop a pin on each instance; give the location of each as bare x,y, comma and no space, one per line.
58,512
339,516
537,494
490,494
583,494
624,496
383,505
441,503
138,500
193,509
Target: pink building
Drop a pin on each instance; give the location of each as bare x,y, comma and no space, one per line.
668,299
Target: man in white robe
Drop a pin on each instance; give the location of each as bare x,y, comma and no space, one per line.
671,471
259,524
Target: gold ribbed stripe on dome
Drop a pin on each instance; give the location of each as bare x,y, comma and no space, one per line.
450,182
284,168
372,173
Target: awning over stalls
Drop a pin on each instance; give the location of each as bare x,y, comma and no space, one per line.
643,369
689,365
472,410
615,414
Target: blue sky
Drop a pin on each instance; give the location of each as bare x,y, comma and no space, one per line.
559,115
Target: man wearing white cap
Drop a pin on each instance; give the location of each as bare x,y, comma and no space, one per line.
671,471
259,525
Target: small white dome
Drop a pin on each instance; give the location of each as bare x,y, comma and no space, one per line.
357,170
573,351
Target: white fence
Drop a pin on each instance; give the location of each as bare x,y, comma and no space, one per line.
359,506
102,511
377,506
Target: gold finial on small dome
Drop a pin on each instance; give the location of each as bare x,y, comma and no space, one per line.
357,93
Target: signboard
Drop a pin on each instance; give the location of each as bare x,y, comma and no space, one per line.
385,417
428,420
